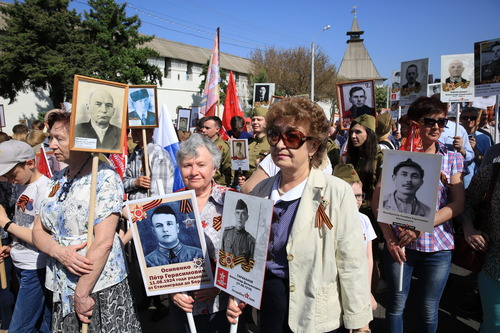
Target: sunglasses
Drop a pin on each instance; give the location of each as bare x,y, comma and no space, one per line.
430,122
468,118
292,139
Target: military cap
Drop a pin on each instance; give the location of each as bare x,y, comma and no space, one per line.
383,123
367,121
259,112
346,172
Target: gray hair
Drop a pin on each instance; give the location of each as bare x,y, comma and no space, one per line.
189,149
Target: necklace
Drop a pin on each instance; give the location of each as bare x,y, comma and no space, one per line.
68,183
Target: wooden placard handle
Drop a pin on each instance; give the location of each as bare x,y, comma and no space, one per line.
3,275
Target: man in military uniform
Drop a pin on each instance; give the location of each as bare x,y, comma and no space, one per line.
210,128
236,240
258,147
491,70
170,249
357,97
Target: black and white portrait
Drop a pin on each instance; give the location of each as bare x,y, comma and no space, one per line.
98,118
262,93
142,107
236,240
487,67
414,75
355,99
183,119
409,189
457,72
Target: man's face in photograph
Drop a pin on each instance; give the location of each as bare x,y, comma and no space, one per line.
101,107
262,92
166,229
407,180
456,68
496,52
411,74
240,217
358,98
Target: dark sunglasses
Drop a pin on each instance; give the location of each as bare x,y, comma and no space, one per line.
468,118
292,139
430,122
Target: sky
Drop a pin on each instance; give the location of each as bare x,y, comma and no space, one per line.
395,30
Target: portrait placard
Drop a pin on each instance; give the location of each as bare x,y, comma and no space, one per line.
142,107
239,154
396,85
487,67
414,75
98,118
433,88
195,115
483,102
241,264
183,119
262,93
409,189
169,243
355,99
457,78
2,116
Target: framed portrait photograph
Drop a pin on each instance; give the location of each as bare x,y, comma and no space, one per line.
262,93
457,78
414,78
98,118
142,106
433,88
395,85
183,119
195,115
170,243
2,116
246,221
409,189
487,67
239,154
355,99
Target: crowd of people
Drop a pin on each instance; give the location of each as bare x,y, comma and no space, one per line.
324,259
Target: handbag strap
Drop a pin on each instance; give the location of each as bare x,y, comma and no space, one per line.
489,195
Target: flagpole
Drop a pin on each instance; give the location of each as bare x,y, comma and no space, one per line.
218,84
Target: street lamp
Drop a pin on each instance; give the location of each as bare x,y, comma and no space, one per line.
312,61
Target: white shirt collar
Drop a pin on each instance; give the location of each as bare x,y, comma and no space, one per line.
294,193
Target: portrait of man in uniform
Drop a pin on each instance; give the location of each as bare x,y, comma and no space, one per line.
235,239
408,177
411,79
491,70
170,250
142,108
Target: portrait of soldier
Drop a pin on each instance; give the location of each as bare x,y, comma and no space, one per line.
142,108
235,239
261,95
170,249
357,97
408,177
456,68
491,70
183,124
411,79
101,109
238,150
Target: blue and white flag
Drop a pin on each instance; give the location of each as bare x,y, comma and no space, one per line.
166,137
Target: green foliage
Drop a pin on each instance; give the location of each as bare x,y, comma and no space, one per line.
45,45
223,81
381,97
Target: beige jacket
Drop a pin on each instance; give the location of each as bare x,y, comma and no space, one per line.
328,268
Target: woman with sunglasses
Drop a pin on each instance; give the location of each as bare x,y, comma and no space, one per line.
316,259
428,255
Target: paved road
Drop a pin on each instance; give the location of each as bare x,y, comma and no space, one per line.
458,290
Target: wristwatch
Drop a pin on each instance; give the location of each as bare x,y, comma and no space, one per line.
7,225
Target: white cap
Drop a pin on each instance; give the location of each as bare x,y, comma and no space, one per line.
13,152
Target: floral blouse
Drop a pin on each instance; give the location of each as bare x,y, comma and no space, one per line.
67,222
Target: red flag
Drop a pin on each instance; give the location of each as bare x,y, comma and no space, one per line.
211,91
232,103
412,140
43,164
118,161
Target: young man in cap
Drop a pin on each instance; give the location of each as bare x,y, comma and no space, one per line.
235,239
17,164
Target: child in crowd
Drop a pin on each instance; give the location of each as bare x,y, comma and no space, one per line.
17,164
347,173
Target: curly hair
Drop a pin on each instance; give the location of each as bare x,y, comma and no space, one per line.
426,106
302,111
362,157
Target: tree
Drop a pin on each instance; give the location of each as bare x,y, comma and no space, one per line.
115,45
41,49
381,97
290,70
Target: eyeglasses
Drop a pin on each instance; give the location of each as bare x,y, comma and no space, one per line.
430,122
469,118
360,197
292,139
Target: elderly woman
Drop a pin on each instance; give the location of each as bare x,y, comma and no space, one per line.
88,285
316,261
198,158
428,255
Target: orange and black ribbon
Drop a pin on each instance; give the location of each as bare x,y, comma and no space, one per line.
186,207
226,259
152,204
322,218
23,200
217,222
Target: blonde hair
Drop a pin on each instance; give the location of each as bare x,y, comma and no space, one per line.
36,137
